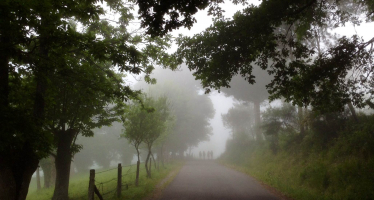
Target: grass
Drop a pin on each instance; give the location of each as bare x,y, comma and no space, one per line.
107,182
343,171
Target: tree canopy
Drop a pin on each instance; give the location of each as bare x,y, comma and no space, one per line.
42,41
276,36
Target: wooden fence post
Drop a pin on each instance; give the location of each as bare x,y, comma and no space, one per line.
137,173
119,180
91,185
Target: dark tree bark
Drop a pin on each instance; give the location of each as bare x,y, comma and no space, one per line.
16,172
63,163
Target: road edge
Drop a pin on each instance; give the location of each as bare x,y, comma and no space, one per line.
157,192
274,191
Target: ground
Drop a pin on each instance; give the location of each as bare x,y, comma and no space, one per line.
210,180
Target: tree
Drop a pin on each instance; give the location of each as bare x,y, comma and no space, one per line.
240,120
37,40
156,125
81,103
160,17
49,171
134,122
255,37
255,94
281,120
192,111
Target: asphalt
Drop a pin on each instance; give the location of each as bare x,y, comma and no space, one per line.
206,180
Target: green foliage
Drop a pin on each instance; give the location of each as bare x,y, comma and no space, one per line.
285,38
239,119
43,46
160,17
340,170
146,121
280,120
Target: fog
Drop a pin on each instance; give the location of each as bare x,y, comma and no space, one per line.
282,91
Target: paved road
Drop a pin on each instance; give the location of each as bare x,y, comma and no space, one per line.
199,180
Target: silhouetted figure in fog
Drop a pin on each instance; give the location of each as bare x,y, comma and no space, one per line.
200,154
208,155
204,155
211,154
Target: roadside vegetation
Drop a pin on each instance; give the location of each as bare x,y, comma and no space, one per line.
64,69
332,160
78,187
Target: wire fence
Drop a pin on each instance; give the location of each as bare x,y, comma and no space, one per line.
104,187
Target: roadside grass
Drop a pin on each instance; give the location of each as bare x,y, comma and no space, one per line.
343,171
107,182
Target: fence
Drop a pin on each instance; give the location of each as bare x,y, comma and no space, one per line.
97,187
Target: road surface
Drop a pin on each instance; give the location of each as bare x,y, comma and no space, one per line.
205,180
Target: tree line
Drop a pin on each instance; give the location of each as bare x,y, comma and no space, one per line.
59,77
60,64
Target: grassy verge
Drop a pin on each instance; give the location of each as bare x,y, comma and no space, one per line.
311,175
107,182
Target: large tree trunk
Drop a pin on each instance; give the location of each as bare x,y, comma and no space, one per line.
63,163
257,121
16,172
18,166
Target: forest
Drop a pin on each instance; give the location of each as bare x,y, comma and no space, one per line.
87,84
